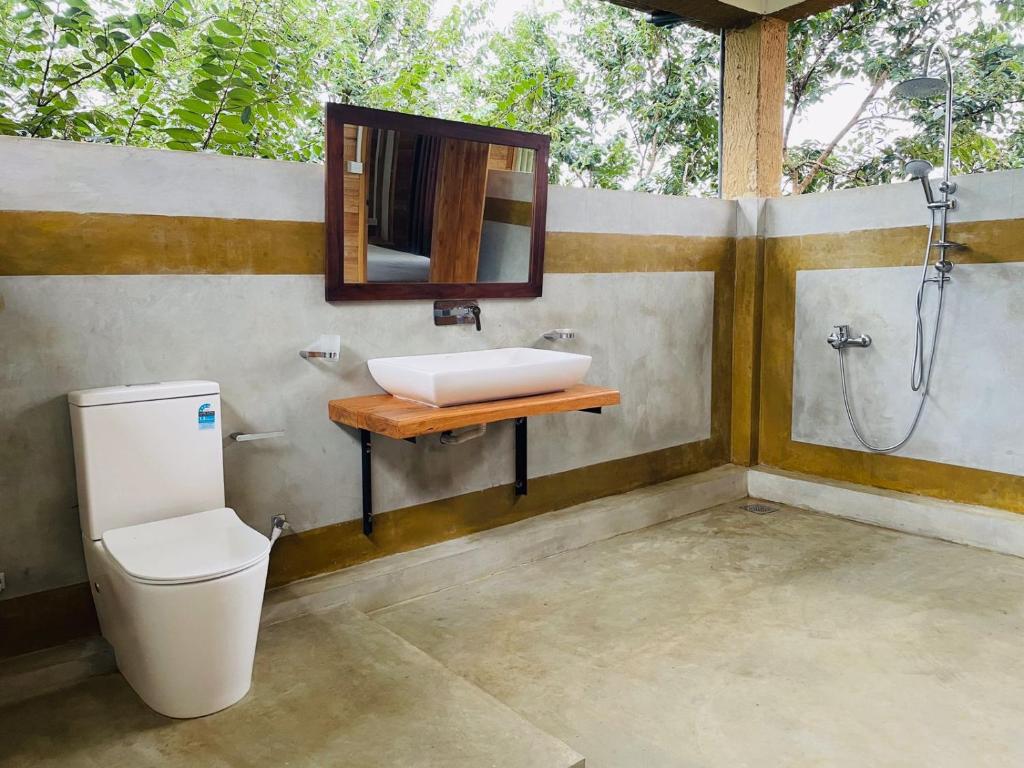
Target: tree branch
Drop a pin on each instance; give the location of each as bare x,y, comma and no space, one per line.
103,67
876,85
234,68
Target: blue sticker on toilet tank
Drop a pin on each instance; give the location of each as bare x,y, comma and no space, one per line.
207,416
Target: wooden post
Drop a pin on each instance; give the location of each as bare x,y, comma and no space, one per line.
755,84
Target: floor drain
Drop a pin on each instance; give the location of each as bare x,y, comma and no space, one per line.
759,509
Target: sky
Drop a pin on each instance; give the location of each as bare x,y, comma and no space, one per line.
820,122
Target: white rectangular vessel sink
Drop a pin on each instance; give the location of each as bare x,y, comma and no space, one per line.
473,377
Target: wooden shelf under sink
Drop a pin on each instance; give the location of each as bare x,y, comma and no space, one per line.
402,419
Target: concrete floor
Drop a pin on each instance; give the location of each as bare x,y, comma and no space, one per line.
723,639
728,639
330,689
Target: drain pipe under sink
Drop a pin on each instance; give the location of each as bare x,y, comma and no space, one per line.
471,433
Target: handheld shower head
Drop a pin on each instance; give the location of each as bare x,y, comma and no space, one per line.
919,169
921,88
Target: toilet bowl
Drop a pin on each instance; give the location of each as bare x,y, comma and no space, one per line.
177,577
180,600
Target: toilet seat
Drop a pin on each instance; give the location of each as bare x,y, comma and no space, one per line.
187,549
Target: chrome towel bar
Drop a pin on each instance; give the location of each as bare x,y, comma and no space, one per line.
244,437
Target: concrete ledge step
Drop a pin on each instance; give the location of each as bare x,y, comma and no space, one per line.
996,530
407,575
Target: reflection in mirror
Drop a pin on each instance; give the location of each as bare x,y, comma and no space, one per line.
423,208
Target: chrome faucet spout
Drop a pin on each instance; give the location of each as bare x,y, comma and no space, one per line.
457,313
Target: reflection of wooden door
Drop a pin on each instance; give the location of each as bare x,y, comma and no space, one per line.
354,214
458,211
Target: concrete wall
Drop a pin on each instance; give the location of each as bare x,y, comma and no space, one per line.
973,416
648,320
505,244
854,257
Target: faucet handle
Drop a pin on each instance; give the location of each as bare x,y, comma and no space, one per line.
475,309
838,338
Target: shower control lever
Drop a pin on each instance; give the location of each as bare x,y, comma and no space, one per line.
840,338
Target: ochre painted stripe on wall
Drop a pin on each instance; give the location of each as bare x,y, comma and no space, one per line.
59,243
64,243
746,356
505,211
989,242
46,619
579,252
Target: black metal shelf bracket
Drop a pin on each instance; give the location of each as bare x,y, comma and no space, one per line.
366,444
366,449
522,482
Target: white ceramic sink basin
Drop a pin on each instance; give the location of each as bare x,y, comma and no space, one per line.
474,377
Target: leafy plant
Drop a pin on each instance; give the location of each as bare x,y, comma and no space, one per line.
879,42
627,104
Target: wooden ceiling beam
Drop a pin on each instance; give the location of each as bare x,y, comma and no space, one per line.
715,15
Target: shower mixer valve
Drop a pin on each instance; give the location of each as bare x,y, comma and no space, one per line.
840,338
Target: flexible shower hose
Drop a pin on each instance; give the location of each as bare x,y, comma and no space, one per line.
921,371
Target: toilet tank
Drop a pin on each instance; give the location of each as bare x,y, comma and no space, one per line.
146,452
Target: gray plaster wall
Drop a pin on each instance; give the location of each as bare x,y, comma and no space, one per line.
650,335
973,416
981,197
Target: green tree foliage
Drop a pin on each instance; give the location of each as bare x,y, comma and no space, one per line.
879,42
627,104
245,77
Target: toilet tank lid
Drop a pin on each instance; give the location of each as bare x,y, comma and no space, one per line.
134,393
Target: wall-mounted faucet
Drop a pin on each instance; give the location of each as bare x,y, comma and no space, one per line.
457,312
840,338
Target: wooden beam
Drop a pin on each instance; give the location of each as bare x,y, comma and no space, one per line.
354,185
807,8
754,81
714,15
459,211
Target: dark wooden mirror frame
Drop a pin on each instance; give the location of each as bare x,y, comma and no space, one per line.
337,116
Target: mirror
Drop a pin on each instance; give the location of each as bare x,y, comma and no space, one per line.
426,208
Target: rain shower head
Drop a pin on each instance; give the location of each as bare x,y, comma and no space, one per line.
918,169
926,87
921,88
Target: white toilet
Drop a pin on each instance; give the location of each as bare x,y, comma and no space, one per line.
178,579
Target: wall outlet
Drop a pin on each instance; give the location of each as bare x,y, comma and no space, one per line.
3,581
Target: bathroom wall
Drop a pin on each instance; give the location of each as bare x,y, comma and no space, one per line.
854,257
505,237
124,265
121,265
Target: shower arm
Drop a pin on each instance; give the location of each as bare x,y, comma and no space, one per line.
947,155
947,151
